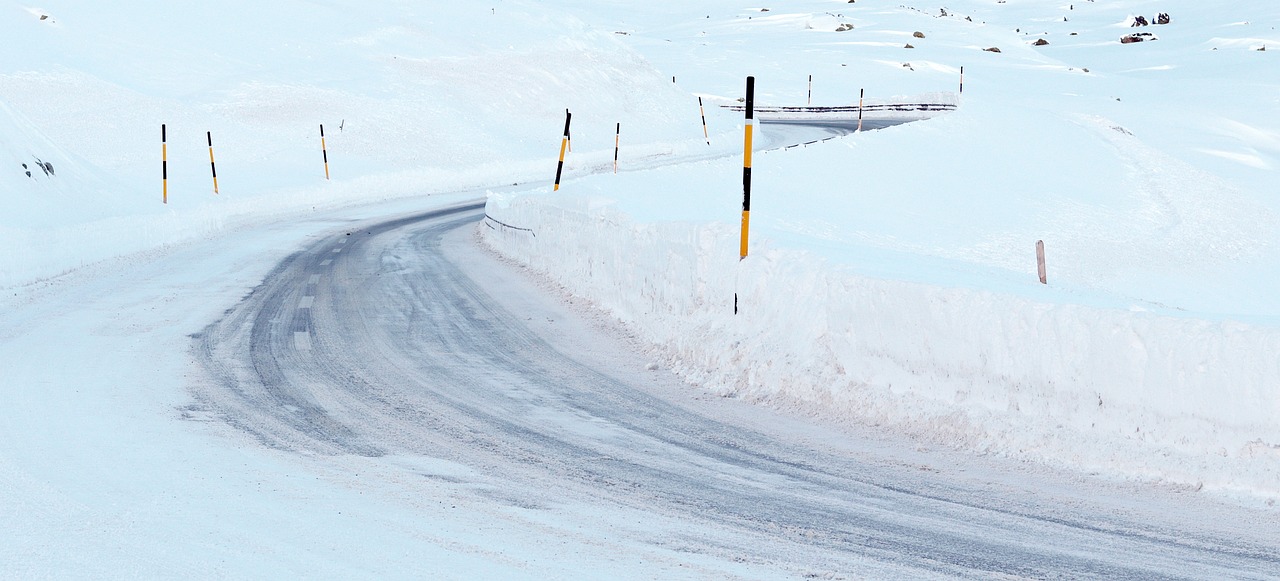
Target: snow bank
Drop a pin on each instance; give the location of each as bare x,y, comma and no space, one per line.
1129,393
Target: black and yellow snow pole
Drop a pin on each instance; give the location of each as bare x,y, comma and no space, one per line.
746,178
212,167
164,163
810,89
861,93
617,139
324,151
703,111
961,80
746,165
564,144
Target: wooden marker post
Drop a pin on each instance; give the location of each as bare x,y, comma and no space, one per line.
325,151
564,144
164,163
861,93
746,168
617,138
702,111
1040,267
212,167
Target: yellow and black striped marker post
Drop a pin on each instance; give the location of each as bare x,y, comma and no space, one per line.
746,165
617,139
746,177
861,94
164,163
564,144
324,151
703,111
212,167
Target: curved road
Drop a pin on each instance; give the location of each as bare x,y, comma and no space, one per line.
379,341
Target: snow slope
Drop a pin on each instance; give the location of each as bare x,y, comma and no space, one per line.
892,273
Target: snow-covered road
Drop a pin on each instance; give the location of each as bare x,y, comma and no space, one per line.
402,342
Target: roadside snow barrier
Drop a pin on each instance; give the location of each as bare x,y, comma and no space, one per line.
1126,393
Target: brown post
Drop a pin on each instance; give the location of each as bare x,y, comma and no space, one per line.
1040,267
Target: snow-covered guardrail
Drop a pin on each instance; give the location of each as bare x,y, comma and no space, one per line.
920,107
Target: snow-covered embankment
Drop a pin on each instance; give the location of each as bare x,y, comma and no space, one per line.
1126,393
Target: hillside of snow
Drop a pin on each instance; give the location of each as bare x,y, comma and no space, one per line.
892,276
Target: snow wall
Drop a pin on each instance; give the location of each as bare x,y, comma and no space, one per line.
1123,393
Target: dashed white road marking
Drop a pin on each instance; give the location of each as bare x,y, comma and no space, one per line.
337,250
302,340
315,278
342,241
306,302
326,262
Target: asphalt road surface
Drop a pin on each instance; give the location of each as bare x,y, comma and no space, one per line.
403,338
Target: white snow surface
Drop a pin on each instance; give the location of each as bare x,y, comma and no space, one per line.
891,280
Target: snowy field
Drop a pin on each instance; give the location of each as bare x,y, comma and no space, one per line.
891,288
